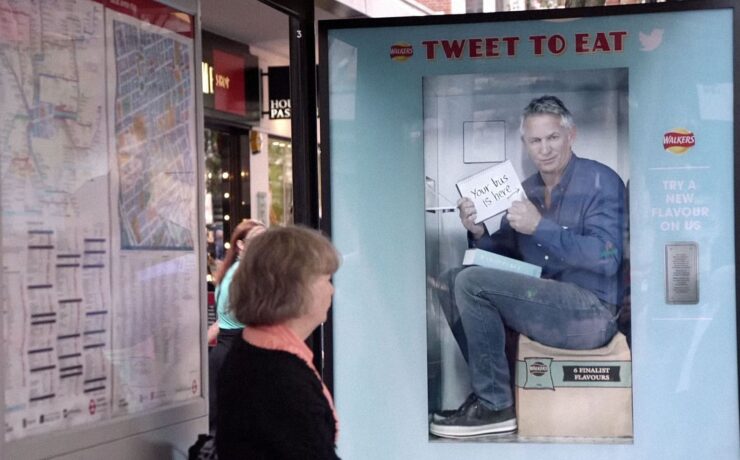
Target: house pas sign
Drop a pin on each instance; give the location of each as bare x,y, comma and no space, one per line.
278,79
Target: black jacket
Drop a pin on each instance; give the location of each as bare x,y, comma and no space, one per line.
271,405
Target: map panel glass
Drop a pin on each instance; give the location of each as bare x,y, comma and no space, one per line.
55,226
153,139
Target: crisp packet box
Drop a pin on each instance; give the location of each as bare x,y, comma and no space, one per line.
492,260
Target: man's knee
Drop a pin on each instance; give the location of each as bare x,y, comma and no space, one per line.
467,281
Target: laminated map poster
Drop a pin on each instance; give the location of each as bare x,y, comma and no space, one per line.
55,228
99,214
154,183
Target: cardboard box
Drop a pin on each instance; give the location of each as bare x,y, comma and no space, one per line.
574,393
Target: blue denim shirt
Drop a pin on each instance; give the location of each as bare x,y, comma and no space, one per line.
580,238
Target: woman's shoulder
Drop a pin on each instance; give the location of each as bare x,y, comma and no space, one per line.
266,360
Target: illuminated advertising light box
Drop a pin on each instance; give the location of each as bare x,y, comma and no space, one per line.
538,212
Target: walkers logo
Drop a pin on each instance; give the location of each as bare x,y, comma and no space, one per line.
678,141
538,368
401,51
535,374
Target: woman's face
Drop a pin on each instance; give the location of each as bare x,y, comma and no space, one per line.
320,292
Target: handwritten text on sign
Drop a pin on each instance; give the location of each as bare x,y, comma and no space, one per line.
492,190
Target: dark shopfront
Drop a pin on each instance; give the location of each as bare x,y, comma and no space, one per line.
231,107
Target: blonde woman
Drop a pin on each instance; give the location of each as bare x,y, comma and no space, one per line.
272,402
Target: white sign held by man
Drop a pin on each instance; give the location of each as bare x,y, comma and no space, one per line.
492,190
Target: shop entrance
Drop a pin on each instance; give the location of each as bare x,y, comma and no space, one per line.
227,199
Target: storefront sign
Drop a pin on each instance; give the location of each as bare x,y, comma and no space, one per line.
278,81
227,82
230,78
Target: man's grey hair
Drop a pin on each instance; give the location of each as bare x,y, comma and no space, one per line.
547,105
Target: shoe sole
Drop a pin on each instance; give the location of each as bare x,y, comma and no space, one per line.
505,427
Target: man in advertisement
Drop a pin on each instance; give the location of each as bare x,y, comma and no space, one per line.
572,226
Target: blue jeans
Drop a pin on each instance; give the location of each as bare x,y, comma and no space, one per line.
554,313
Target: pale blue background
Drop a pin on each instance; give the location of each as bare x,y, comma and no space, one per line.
684,357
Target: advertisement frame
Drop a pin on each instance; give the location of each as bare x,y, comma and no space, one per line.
325,88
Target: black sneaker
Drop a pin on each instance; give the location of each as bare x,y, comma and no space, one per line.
474,419
443,414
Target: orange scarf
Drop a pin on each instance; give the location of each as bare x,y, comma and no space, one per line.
282,338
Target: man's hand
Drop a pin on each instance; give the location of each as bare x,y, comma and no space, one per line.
523,217
467,217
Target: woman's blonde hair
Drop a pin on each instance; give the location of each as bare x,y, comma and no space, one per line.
272,282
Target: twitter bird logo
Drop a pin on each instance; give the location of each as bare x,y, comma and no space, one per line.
652,40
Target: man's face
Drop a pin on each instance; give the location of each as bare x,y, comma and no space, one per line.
548,143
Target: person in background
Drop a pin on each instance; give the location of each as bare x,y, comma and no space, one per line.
226,327
272,401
